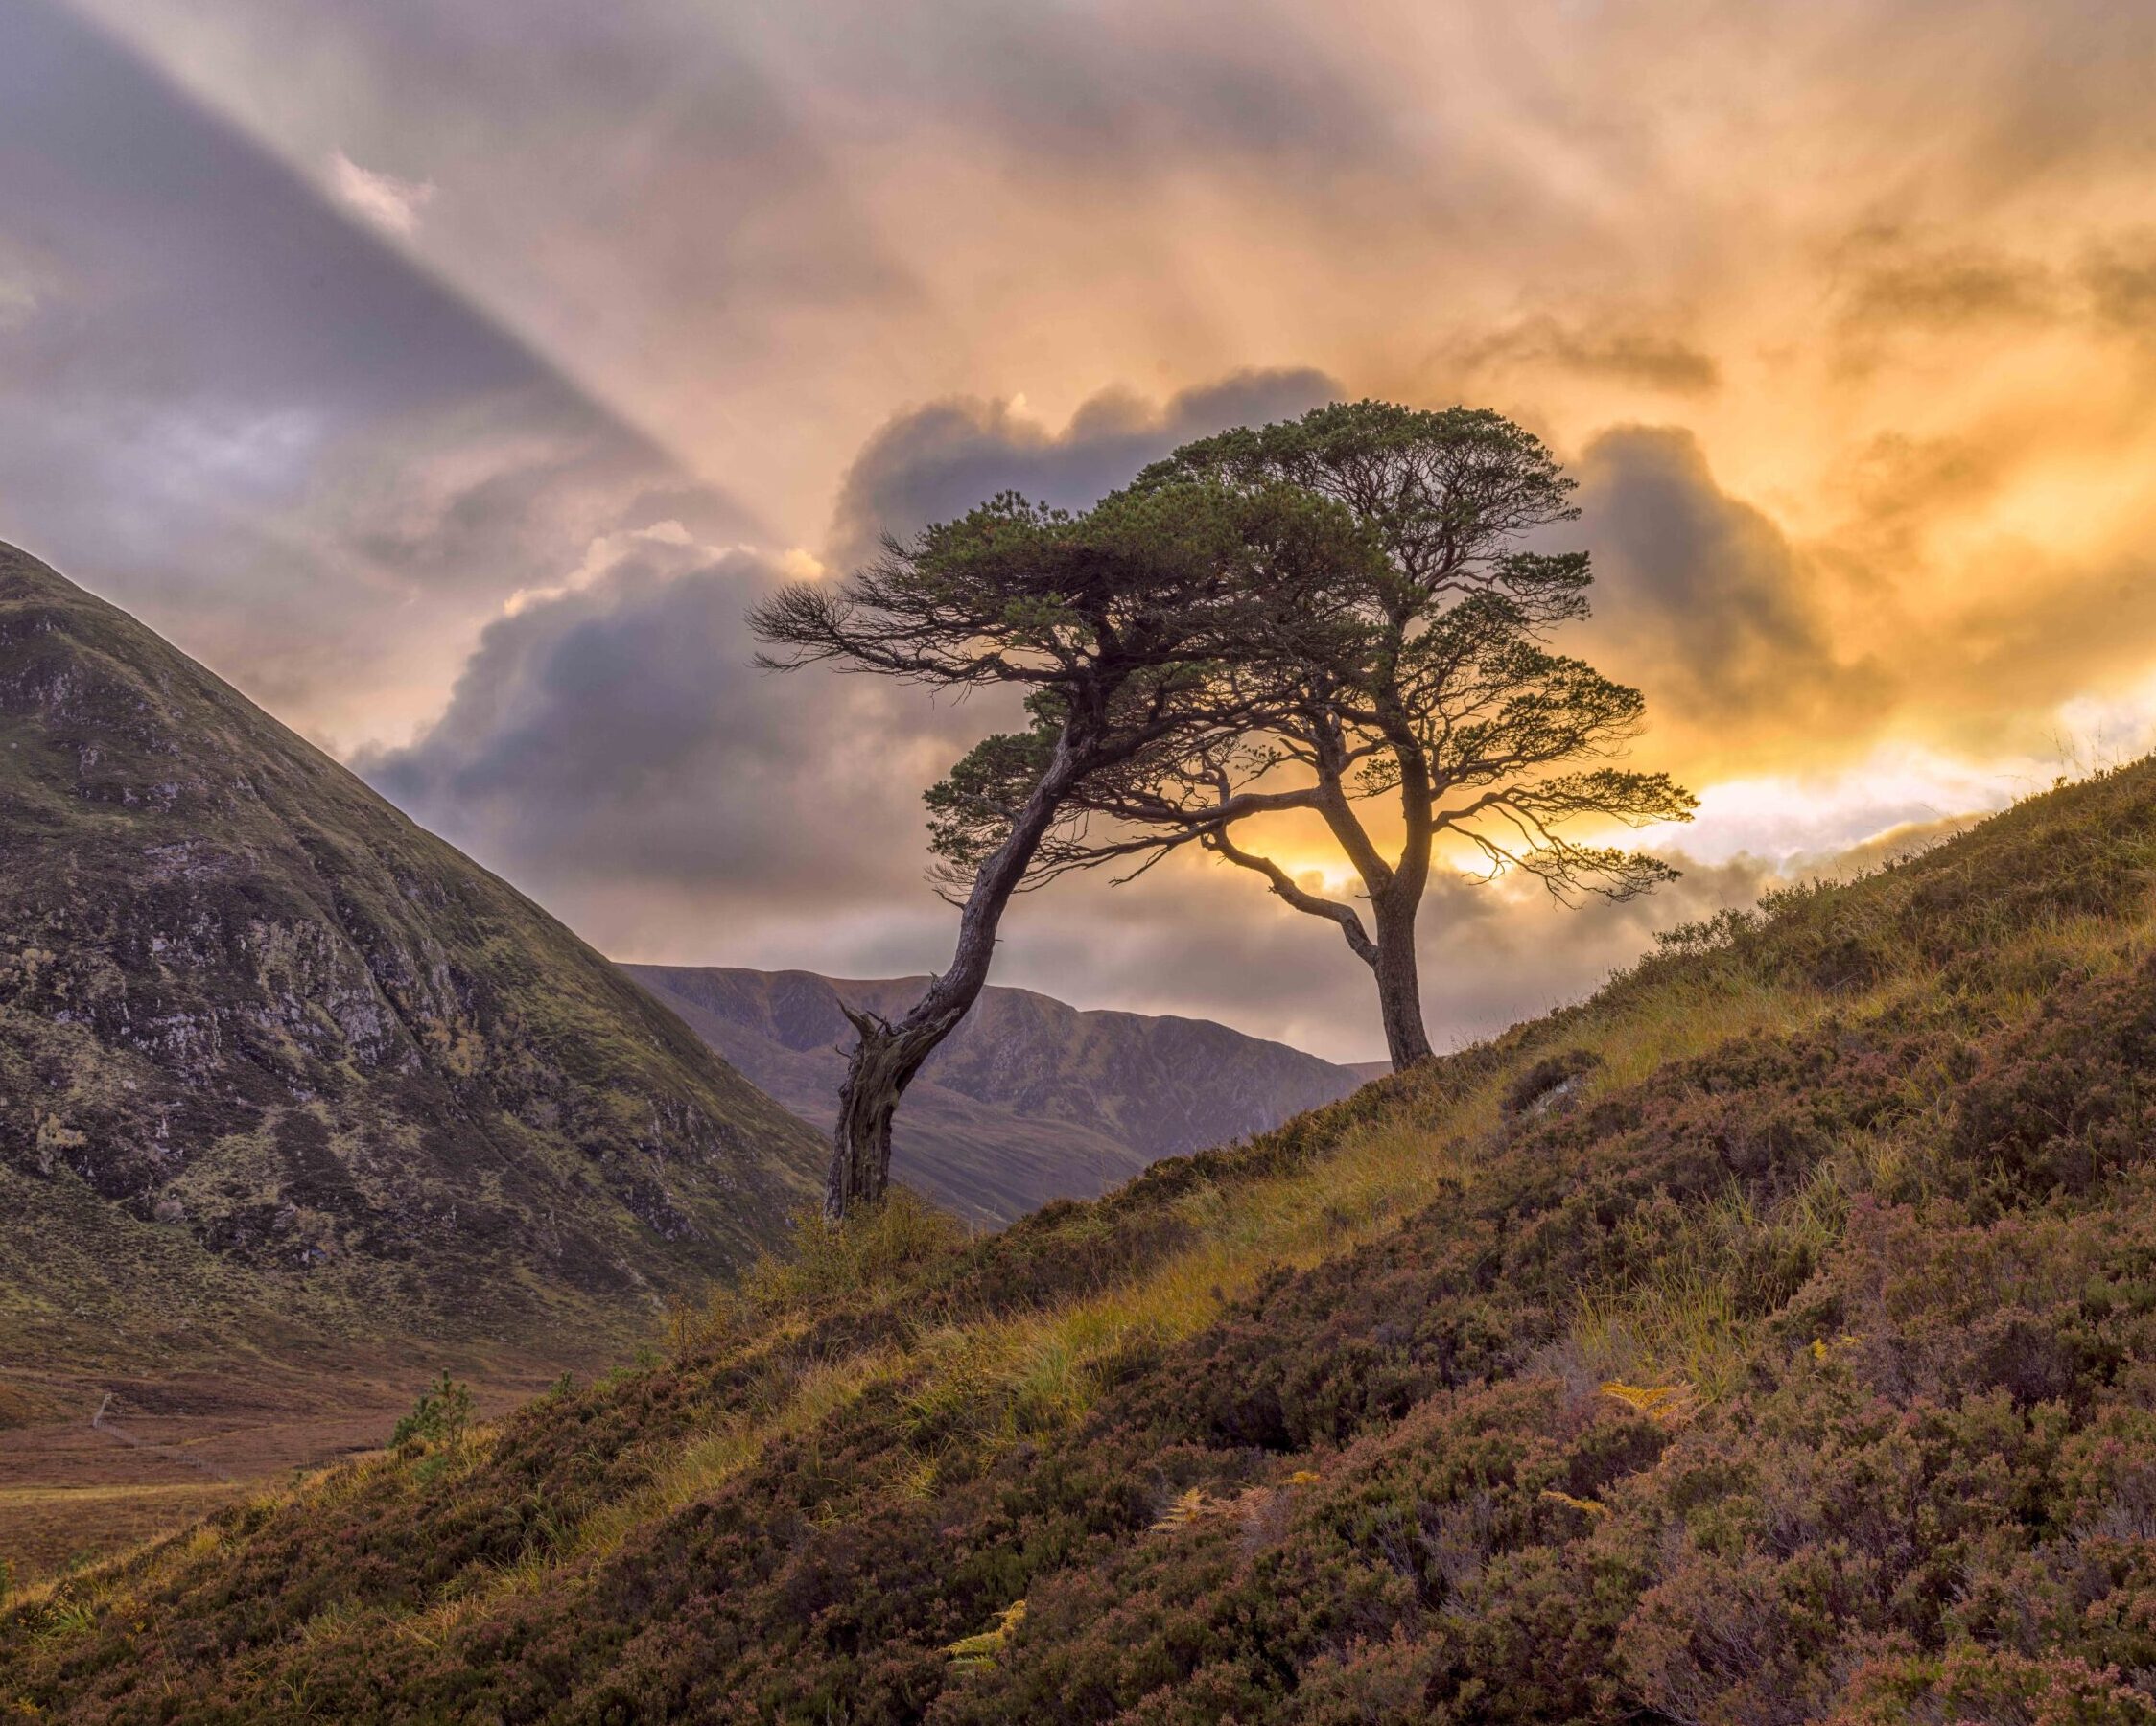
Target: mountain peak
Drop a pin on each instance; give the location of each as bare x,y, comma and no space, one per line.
1029,1100
282,1044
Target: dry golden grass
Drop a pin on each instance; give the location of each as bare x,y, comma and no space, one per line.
977,1389
974,1389
971,1390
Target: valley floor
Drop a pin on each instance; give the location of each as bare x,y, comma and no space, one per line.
107,1462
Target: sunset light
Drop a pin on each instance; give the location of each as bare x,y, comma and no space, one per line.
1106,862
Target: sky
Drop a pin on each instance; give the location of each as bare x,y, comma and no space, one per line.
450,379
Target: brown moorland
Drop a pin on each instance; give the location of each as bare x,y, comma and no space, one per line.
1769,1338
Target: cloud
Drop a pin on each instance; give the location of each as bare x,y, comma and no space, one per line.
704,254
1605,347
609,746
1906,839
381,198
1889,286
1950,291
610,734
1203,939
235,410
611,750
935,462
602,558
1136,88
27,282
634,192
1703,602
2120,275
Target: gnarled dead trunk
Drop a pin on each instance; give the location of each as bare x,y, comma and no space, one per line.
884,1062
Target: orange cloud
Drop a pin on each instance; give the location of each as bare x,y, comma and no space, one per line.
1842,313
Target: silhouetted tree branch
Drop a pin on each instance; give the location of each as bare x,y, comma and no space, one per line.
1121,623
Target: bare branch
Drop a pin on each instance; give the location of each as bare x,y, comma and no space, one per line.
1285,885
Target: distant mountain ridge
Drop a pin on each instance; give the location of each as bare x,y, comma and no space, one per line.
275,1061
1030,1099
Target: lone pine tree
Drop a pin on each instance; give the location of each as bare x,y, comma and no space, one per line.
1415,668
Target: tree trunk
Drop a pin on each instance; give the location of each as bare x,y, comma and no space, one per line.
888,1055
1399,986
883,1064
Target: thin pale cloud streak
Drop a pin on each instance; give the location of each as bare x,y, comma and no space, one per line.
382,199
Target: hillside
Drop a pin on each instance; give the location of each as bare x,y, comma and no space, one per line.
1029,1100
283,1075
1770,1338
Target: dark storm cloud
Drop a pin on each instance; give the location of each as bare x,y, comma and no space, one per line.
611,750
227,406
1699,598
1700,595
618,732
936,462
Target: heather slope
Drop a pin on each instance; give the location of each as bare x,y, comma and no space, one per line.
278,1066
1029,1100
1770,1338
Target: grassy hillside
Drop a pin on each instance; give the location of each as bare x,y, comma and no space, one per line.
279,1069
1029,1100
1770,1338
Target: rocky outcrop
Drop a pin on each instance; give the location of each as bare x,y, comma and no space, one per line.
243,1000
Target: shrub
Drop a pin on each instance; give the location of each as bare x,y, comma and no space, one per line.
440,1416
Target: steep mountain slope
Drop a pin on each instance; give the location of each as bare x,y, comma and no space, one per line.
1030,1099
1770,1338
275,1065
